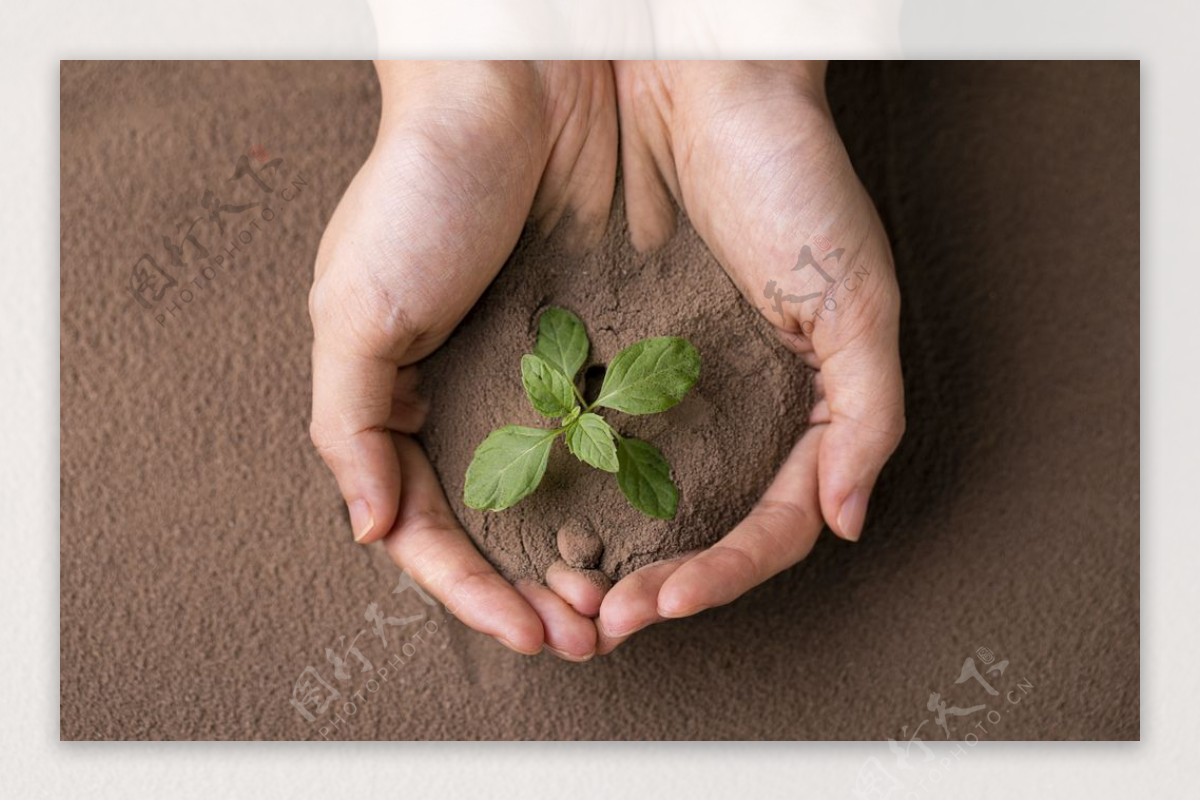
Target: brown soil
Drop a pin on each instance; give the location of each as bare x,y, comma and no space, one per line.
724,441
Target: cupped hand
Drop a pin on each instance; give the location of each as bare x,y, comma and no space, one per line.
466,153
751,154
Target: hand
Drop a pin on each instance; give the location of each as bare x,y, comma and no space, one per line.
751,153
465,154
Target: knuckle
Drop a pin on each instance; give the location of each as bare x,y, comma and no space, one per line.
370,312
433,520
418,546
742,562
780,525
318,302
896,423
316,432
777,516
326,445
467,586
385,322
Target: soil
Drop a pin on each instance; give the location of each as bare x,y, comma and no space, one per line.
724,441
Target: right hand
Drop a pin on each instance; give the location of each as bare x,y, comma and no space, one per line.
466,153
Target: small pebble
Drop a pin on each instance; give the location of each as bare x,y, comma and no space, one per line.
579,547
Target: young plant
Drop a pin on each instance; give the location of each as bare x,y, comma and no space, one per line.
647,377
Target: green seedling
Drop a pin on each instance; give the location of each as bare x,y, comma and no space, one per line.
647,377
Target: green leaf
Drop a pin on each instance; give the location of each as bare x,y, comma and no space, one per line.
549,392
562,341
507,466
591,440
645,478
650,376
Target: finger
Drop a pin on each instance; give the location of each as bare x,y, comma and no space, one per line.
409,409
568,634
429,543
354,381
352,403
576,189
632,604
582,589
819,414
645,160
778,533
864,404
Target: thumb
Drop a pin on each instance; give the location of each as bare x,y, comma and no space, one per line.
863,406
355,360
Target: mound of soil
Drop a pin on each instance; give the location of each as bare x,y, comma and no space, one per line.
724,441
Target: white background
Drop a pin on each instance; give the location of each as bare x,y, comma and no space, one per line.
35,35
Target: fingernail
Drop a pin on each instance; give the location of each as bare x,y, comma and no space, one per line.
852,515
507,643
361,519
570,657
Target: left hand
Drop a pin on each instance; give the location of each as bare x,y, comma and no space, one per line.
466,153
751,154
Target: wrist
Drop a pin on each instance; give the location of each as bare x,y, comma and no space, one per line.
488,90
690,87
805,78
